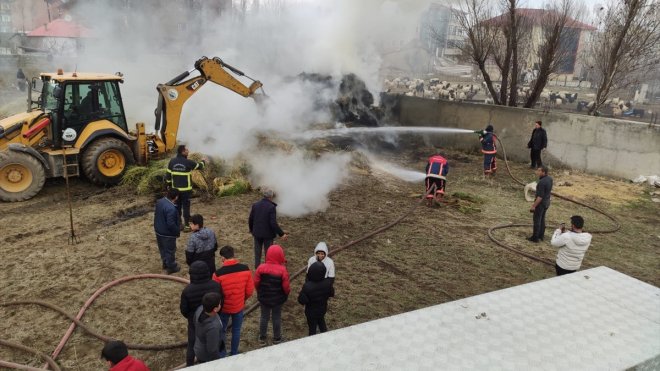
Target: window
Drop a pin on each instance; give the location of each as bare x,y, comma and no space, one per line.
6,18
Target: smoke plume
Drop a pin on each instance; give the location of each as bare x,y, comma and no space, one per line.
272,43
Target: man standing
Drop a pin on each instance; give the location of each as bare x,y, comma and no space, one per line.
537,143
178,177
489,149
572,245
541,203
263,225
237,286
166,226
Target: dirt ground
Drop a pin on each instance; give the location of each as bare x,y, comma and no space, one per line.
434,256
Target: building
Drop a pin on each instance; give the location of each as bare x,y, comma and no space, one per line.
440,32
573,41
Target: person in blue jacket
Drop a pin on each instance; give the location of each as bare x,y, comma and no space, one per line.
166,226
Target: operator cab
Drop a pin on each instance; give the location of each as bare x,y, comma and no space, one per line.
78,99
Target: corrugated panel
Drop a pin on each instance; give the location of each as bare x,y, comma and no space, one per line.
597,319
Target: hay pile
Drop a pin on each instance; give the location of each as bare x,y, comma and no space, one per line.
217,179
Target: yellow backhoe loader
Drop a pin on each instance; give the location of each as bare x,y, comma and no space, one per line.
78,124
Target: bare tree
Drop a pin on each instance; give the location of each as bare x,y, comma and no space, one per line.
560,34
481,37
506,53
626,44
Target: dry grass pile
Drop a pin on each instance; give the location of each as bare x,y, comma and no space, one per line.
217,179
146,179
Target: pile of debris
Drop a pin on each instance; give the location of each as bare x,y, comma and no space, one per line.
354,104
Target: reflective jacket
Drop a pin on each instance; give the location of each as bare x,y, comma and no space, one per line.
437,167
178,172
488,143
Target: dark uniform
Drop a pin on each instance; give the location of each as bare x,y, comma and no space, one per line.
489,149
179,176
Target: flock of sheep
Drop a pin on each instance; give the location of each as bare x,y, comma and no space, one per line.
436,89
433,88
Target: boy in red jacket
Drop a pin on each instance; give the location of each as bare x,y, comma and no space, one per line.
272,283
237,286
116,354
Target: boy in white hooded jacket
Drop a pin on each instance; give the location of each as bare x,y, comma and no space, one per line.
321,254
572,245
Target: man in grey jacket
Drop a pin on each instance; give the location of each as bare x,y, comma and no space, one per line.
202,244
572,246
209,337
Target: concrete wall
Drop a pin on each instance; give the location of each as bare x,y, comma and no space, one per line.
597,145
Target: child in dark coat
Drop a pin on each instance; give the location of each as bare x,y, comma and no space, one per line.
314,296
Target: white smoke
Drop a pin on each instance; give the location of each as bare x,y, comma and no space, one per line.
301,185
273,45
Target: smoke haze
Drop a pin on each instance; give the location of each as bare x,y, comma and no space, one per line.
272,45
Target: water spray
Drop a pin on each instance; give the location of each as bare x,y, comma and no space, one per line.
343,132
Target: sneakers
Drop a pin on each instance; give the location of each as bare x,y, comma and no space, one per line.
173,270
277,341
186,229
533,239
262,342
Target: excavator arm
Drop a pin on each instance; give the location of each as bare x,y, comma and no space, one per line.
174,94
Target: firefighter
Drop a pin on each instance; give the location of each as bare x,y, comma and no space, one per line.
436,172
179,176
489,149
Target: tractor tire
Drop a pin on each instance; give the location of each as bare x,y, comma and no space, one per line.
105,161
21,176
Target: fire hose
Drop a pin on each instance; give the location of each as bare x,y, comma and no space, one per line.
76,321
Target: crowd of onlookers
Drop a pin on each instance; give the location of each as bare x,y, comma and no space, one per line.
214,301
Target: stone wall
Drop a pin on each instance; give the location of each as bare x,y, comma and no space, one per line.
597,145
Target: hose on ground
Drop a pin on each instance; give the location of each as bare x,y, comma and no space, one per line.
49,361
616,227
77,321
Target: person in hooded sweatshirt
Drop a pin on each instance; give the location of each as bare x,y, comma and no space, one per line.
115,353
209,336
202,244
314,296
191,298
572,246
321,255
271,280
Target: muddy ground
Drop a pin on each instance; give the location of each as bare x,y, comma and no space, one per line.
433,256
